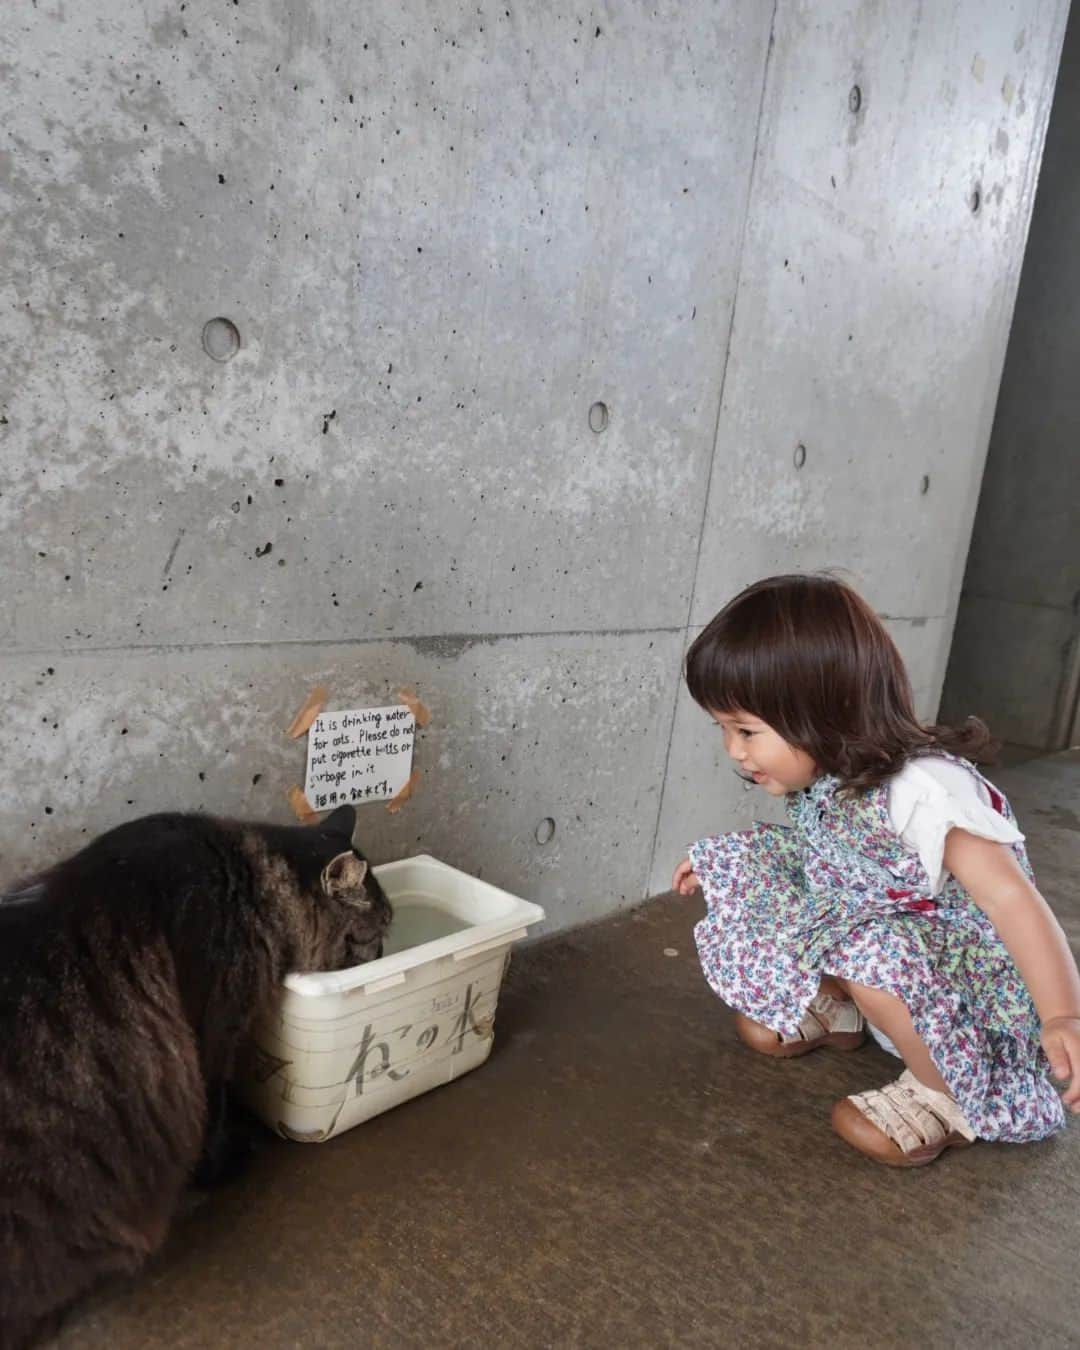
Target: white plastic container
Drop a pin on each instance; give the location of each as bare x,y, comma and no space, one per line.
345,1045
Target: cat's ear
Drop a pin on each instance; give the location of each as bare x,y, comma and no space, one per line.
341,822
344,876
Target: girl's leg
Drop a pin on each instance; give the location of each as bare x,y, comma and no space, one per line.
890,1015
832,1019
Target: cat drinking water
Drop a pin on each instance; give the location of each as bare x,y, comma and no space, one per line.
130,976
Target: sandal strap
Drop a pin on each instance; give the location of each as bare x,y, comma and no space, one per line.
911,1114
823,1016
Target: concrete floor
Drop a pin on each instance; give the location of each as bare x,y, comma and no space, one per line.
623,1173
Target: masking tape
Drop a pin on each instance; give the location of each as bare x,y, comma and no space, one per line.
309,710
395,804
418,709
305,812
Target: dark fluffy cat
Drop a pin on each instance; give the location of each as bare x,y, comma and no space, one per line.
130,976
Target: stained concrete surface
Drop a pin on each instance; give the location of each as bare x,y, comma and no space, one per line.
445,232
623,1172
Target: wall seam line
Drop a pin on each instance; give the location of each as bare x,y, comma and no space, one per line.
751,178
464,640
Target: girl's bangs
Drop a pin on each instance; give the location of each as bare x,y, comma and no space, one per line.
727,677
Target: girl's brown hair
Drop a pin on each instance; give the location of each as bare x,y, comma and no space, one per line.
811,658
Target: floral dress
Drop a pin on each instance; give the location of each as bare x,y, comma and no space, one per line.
836,892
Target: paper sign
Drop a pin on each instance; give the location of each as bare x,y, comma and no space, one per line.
359,755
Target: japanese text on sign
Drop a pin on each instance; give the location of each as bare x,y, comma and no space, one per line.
359,755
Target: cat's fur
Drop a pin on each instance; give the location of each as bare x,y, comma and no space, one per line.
130,977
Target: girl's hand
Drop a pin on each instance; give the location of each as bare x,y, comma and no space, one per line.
686,883
1061,1041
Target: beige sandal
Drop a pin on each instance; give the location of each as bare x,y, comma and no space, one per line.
905,1124
827,1021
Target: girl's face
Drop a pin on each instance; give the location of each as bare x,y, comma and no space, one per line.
763,755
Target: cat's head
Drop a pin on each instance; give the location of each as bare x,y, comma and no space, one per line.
350,910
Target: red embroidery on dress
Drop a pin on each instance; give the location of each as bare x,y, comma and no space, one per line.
923,906
997,801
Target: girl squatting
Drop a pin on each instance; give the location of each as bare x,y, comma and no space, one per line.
898,899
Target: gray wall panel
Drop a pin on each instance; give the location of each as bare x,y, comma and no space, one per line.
574,728
444,232
452,229
874,305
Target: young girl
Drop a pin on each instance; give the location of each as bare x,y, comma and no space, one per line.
899,898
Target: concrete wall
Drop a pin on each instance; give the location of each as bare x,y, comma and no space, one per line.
444,232
1016,651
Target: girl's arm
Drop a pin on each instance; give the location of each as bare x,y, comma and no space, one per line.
1025,923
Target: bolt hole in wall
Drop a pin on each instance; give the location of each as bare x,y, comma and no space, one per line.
799,457
854,99
545,831
924,484
599,417
220,339
975,200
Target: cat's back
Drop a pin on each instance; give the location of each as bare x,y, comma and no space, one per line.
144,856
129,876
147,856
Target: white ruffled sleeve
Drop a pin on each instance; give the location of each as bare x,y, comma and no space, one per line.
931,796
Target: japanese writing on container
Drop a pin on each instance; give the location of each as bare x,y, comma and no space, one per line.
394,1053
